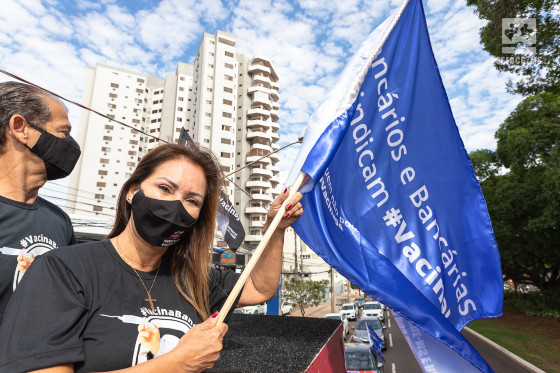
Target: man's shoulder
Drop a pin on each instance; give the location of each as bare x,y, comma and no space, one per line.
51,207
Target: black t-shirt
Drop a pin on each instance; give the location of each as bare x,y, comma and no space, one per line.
83,304
35,227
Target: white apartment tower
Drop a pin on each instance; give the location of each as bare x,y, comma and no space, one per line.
257,116
227,103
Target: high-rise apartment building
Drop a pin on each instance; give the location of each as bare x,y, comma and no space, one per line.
227,103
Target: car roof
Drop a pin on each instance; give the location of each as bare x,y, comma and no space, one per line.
348,304
356,347
372,302
366,318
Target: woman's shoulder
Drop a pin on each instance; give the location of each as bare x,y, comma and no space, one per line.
77,255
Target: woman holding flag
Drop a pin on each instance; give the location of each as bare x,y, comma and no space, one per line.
145,299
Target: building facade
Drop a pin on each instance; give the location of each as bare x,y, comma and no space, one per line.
227,103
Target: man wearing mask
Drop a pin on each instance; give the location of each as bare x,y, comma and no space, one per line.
35,146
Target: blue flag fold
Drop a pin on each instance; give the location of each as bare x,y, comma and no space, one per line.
393,203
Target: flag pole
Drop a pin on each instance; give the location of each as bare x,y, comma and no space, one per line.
259,250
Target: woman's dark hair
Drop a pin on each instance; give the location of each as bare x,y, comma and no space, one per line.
25,100
191,256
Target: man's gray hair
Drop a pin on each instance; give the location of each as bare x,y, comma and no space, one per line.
25,100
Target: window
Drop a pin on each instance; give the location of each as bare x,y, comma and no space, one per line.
179,109
105,149
209,89
102,172
181,99
226,115
114,85
136,121
207,127
134,142
97,208
138,90
182,78
229,54
131,152
107,138
228,90
140,80
109,127
228,65
226,128
209,102
113,95
99,196
207,114
228,102
206,141
210,77
101,185
225,155
226,141
210,66
228,77
179,119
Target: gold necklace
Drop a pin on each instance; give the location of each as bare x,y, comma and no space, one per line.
149,299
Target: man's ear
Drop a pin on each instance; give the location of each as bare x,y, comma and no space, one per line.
20,129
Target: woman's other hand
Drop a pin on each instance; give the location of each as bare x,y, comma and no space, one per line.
200,347
293,209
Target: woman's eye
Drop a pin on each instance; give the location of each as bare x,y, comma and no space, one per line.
193,202
164,188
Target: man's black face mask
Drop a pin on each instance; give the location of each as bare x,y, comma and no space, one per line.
60,155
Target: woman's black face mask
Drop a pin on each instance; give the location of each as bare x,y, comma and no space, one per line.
59,155
160,223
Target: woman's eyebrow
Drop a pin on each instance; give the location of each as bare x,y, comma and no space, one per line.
173,184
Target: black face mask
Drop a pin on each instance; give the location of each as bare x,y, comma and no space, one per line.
60,155
160,223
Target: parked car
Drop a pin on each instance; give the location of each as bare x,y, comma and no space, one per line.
373,309
359,301
349,311
361,334
255,310
286,308
337,316
360,358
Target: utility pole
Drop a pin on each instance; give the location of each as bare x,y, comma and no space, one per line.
295,255
349,289
332,289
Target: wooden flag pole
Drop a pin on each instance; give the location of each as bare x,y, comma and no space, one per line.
258,251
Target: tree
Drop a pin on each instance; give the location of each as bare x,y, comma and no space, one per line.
305,293
539,71
524,201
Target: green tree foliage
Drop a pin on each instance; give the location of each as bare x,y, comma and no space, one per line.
305,293
538,74
521,184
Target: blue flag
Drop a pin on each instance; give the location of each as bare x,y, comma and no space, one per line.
393,203
375,342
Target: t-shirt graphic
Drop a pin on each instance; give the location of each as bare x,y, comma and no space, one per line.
158,333
33,247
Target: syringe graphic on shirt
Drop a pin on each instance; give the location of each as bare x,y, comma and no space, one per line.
130,319
9,251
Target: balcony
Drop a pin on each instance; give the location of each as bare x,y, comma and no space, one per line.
262,197
258,123
253,238
259,88
275,147
275,126
257,184
274,157
261,147
275,105
256,224
274,115
262,79
255,158
260,135
253,69
255,210
274,136
274,94
274,168
261,172
261,100
274,181
275,86
258,112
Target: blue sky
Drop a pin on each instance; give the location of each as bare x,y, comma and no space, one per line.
52,42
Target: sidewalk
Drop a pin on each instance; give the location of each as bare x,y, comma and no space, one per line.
324,308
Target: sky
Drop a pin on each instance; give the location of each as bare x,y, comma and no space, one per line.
52,43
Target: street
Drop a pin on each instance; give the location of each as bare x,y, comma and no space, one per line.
398,355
